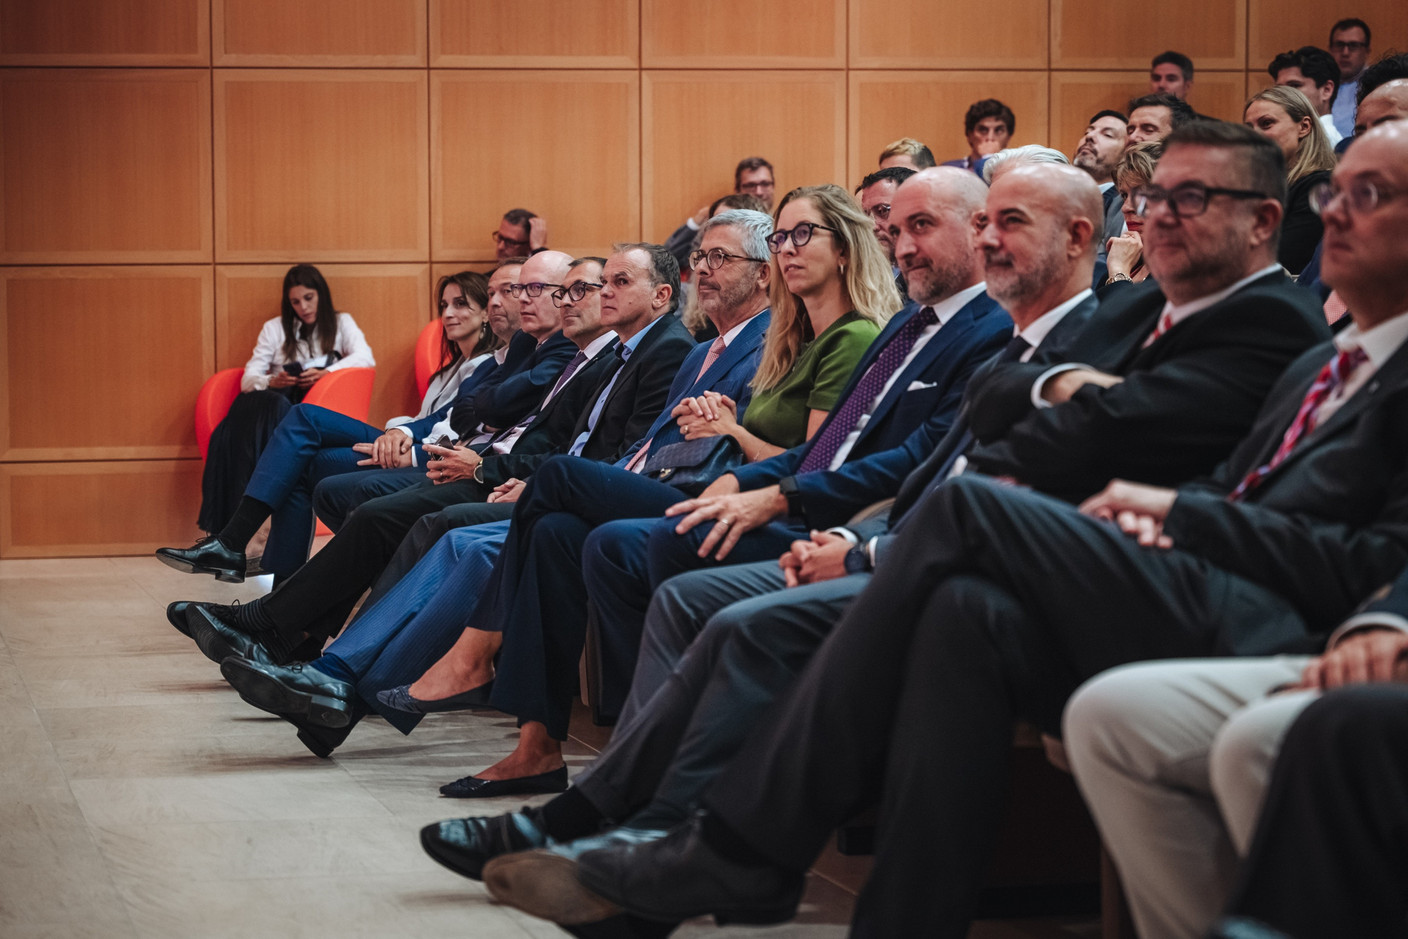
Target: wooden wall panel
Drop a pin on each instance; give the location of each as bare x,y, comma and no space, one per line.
797,120
84,509
102,362
886,34
743,34
1119,34
391,302
101,32
574,159
298,33
535,33
326,164
929,106
104,165
1077,95
1278,25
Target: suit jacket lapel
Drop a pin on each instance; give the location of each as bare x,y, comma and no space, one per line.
742,346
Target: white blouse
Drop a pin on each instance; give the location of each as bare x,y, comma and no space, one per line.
268,354
441,390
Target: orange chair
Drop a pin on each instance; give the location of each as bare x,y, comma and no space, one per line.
346,391
430,356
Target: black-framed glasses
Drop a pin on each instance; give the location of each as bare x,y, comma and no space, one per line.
716,258
499,239
1343,46
881,212
1186,201
762,185
800,234
1361,197
578,292
535,289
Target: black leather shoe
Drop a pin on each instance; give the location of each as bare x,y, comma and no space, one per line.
176,616
297,690
320,741
682,876
401,699
207,556
464,845
218,640
543,882
472,787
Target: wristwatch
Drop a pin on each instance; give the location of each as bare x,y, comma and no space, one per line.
478,474
858,560
1116,278
787,485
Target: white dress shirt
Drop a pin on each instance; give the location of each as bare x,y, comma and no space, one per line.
269,355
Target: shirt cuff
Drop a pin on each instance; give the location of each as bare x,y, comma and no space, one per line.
1039,385
846,533
690,224
1364,621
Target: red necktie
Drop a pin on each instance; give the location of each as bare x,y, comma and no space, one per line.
1164,325
1335,373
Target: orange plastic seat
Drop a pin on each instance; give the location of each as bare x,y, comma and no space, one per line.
430,356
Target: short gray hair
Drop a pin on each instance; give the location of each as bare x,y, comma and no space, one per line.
1031,153
753,229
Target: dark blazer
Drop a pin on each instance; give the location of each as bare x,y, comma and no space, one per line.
731,374
884,451
1329,525
1184,403
505,402
640,392
551,429
520,346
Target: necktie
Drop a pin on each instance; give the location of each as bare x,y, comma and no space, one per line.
860,401
715,350
577,362
1164,325
1335,373
1334,307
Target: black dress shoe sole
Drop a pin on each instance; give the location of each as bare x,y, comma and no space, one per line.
176,616
189,567
269,694
450,856
545,885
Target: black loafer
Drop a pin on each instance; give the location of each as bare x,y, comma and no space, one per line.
401,699
472,787
465,845
682,876
207,556
218,640
298,690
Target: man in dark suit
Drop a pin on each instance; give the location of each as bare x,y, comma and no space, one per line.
912,697
283,481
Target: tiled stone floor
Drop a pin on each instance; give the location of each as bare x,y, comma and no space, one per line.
140,797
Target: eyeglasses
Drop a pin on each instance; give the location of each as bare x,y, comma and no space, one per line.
1360,197
760,186
534,289
1347,46
499,239
578,292
717,258
800,235
1186,201
881,212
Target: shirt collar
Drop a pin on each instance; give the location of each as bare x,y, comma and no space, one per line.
947,308
1378,343
1177,314
732,334
597,344
1038,329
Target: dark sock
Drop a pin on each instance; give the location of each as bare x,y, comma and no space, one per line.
249,618
726,841
334,667
309,649
249,515
570,815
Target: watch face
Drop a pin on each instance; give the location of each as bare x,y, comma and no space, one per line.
857,561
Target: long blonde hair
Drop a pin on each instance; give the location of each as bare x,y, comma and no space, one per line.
1315,152
868,281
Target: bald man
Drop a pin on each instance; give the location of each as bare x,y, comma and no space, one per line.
720,646
1388,102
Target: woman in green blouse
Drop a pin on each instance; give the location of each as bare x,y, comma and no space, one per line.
831,292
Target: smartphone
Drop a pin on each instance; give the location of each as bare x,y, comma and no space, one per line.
445,441
294,368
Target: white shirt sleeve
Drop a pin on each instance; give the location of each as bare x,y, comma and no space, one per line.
352,344
266,355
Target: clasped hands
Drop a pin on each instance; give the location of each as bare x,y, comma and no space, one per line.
708,415
1138,510
390,450
733,513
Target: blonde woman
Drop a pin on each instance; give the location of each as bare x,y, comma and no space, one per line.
1286,116
831,291
1125,257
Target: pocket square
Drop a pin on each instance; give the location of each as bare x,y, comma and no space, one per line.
921,385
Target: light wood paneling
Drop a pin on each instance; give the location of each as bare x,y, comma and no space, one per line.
1119,34
80,509
534,33
326,164
295,33
1077,95
696,126
929,106
1278,25
101,32
574,157
104,165
920,34
102,362
743,34
391,302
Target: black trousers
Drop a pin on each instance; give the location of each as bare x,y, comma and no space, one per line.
320,595
1330,855
994,603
